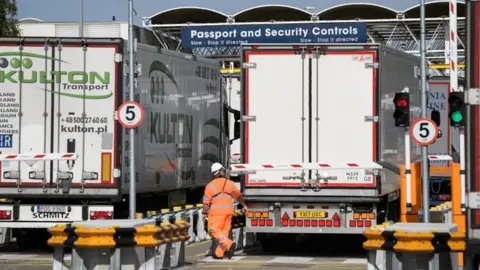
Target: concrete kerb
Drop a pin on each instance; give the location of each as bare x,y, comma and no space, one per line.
376,258
413,245
190,213
140,244
198,230
441,213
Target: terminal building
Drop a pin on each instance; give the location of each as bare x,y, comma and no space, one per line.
396,28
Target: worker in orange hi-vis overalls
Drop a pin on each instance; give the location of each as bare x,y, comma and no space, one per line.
218,203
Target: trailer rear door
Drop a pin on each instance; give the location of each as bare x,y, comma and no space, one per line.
276,94
59,97
343,101
309,108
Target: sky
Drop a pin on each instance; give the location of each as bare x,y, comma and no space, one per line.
103,10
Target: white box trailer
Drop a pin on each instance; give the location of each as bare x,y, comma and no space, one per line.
320,152
63,155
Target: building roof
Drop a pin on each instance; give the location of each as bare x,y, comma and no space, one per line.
263,13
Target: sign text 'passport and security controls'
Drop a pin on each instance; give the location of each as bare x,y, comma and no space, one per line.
234,35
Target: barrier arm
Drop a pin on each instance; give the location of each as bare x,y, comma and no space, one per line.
31,159
370,168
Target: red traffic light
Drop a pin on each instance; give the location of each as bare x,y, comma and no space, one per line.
401,102
402,110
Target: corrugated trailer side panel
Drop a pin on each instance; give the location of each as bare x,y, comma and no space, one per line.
396,71
183,132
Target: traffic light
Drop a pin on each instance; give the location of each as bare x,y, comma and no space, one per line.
402,109
456,103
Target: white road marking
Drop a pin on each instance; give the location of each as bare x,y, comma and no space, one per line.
355,261
40,257
211,259
15,256
290,260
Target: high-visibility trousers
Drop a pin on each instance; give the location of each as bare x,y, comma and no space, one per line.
219,228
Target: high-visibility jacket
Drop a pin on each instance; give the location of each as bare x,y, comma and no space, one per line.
219,196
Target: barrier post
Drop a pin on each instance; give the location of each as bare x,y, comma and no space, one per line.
410,246
458,215
58,241
120,244
411,215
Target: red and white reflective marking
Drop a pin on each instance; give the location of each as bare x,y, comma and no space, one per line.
439,157
453,46
38,156
307,166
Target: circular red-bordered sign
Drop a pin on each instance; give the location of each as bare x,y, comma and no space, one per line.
424,131
130,114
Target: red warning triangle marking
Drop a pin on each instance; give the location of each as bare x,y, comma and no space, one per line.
285,216
362,58
335,217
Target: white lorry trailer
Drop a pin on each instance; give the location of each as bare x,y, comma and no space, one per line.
319,149
64,156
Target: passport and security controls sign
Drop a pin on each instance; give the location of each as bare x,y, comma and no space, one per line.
235,35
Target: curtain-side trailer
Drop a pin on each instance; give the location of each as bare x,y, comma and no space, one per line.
63,154
319,149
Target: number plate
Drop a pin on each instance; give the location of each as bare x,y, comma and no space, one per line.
353,176
51,209
309,214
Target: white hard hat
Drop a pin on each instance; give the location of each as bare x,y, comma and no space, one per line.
216,166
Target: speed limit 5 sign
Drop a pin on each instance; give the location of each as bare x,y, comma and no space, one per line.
130,114
424,131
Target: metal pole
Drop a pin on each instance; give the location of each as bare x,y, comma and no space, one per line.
423,76
468,142
132,197
80,25
454,88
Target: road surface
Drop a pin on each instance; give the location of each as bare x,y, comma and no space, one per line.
314,253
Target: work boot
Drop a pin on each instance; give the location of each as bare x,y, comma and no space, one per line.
215,257
231,250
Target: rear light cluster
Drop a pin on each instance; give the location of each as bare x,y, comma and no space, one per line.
95,215
310,223
334,222
258,218
5,214
362,220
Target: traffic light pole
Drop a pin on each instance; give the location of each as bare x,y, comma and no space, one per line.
423,77
454,88
131,52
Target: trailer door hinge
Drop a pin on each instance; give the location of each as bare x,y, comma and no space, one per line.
117,58
369,118
249,118
249,65
472,96
371,65
474,200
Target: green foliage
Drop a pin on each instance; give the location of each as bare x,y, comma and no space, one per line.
8,21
